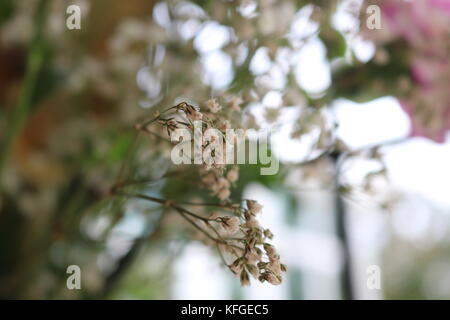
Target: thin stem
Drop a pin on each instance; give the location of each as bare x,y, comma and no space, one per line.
205,204
121,184
148,122
147,130
167,203
199,228
185,214
191,213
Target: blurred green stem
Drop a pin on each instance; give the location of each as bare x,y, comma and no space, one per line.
35,59
346,281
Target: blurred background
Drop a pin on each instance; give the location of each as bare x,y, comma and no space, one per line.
360,114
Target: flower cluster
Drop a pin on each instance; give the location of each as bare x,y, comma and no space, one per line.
234,228
258,258
214,175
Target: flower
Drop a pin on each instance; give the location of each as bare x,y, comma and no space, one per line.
171,124
233,175
268,234
254,207
245,279
248,240
223,194
195,115
274,266
235,103
191,112
254,271
224,125
213,106
271,278
253,256
230,224
271,251
236,266
250,221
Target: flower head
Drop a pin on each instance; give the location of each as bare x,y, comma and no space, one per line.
254,207
213,106
230,224
233,175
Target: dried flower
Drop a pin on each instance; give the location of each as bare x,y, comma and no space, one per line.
252,256
271,278
213,106
171,125
236,266
250,220
230,224
254,207
195,115
270,250
223,183
268,234
274,266
245,280
254,271
223,194
191,112
235,103
249,237
224,125
233,175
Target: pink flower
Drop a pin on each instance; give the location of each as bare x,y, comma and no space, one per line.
425,27
416,21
